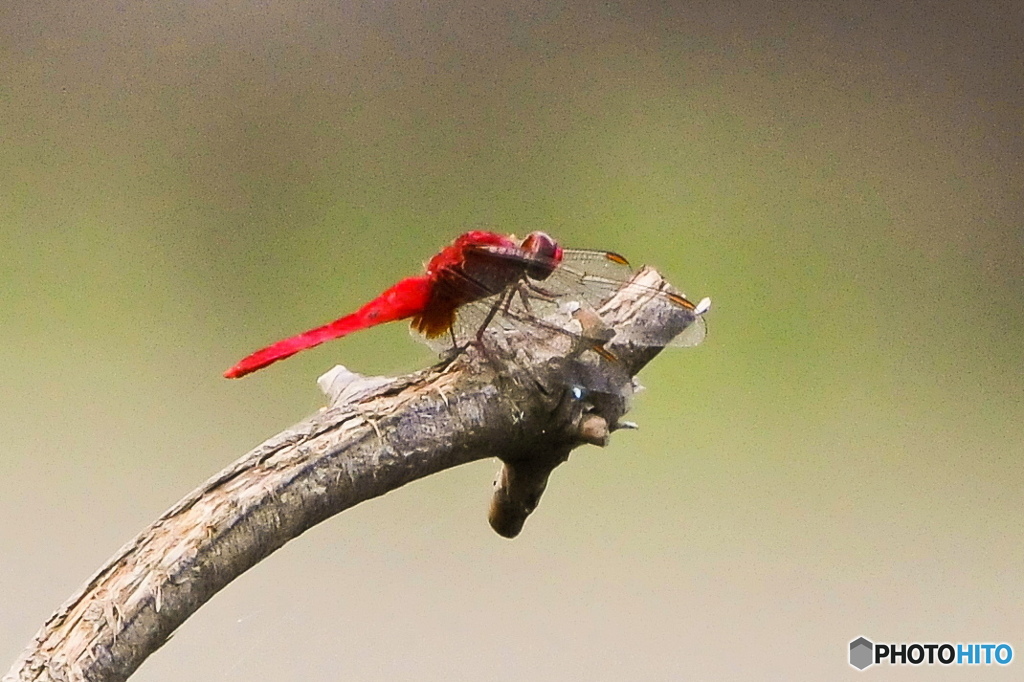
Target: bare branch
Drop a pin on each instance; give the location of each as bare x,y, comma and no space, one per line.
530,415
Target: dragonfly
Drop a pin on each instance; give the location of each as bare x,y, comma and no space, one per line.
484,280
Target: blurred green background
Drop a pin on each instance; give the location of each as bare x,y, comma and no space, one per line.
183,182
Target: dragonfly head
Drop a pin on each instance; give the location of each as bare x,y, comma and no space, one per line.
545,254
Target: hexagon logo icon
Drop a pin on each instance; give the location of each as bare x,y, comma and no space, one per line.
861,650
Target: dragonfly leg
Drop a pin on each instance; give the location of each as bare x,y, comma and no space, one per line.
504,301
478,341
502,304
451,354
524,299
539,291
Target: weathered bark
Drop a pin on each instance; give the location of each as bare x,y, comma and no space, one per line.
373,438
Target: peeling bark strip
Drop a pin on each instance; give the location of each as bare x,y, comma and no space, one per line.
530,415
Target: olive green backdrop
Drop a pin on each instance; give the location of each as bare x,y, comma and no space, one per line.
183,182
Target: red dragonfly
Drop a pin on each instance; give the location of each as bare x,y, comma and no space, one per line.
476,267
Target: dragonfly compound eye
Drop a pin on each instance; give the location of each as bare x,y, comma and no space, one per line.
545,254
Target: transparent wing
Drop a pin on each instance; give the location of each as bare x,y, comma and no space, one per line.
593,277
508,312
583,279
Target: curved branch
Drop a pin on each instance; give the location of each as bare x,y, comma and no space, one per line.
375,436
